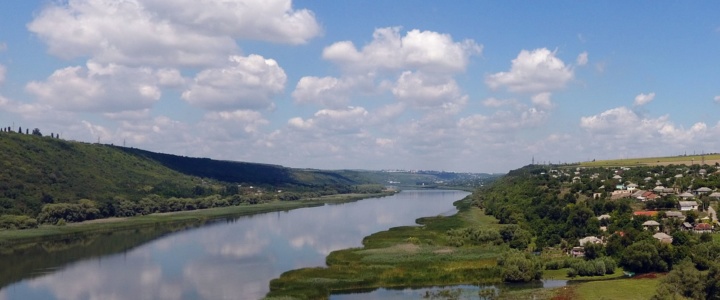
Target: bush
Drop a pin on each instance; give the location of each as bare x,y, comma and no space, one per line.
516,266
17,222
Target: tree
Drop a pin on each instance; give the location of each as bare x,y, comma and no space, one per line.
683,281
517,266
36,132
593,251
643,257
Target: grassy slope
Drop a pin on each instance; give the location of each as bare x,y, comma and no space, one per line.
33,167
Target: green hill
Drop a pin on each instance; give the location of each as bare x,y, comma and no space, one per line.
36,171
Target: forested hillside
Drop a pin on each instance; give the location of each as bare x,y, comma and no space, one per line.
47,179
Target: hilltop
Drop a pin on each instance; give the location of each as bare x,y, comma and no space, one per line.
695,159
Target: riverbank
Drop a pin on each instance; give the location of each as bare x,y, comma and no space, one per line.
16,238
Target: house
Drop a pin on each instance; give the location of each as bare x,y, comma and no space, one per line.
686,195
603,217
651,225
702,172
688,205
591,240
659,189
619,194
576,179
715,195
687,226
650,196
703,228
618,177
620,187
577,252
632,187
674,214
703,190
663,237
648,179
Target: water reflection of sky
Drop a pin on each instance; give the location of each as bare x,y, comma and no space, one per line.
234,259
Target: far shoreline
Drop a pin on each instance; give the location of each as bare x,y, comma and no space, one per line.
19,237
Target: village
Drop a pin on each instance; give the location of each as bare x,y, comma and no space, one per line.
667,199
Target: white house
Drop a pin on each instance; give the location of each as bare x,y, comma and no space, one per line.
688,205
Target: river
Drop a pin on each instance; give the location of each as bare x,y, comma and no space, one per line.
227,259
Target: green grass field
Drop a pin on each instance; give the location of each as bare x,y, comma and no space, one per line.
627,289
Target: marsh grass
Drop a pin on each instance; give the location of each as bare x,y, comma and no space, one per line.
400,256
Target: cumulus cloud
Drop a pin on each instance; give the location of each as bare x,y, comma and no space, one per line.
330,91
582,59
98,88
643,99
347,120
246,83
542,100
533,72
389,50
494,102
249,121
160,33
424,91
624,125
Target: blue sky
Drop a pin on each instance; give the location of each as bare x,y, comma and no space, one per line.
459,86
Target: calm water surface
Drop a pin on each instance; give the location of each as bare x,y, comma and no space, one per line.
235,259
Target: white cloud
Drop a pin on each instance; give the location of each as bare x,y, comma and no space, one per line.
162,33
98,88
582,59
533,72
643,99
502,121
2,74
129,115
331,91
621,132
347,120
247,83
625,125
248,121
542,100
717,99
425,91
423,50
266,20
494,102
